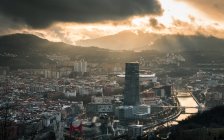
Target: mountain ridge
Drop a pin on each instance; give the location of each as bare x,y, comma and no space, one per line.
125,40
147,41
122,39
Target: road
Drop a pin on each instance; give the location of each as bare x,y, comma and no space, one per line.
185,100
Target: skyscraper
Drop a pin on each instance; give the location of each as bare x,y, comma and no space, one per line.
131,90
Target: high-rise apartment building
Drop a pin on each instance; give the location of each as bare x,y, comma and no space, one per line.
80,66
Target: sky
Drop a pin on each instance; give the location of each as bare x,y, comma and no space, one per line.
72,20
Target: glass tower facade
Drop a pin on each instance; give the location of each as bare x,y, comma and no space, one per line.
131,90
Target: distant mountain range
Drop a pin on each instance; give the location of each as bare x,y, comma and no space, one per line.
128,40
30,43
27,42
30,51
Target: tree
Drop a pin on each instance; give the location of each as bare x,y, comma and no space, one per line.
5,122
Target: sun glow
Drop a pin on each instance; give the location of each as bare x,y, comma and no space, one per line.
140,21
176,10
173,10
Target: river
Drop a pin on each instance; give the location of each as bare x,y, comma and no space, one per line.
186,101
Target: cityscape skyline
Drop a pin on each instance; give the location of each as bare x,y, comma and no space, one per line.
111,69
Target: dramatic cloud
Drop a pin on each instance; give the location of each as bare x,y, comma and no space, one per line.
7,25
42,13
212,8
155,24
179,23
189,28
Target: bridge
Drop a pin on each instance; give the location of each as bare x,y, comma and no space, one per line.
183,94
180,110
183,111
173,117
197,107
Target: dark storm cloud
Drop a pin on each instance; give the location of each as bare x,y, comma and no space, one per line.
7,25
41,13
155,24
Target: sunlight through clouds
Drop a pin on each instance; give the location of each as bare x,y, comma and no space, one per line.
178,17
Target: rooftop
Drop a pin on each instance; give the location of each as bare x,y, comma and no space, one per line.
140,75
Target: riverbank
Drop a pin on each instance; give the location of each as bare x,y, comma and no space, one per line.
196,100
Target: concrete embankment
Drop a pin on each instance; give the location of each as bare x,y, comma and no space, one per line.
196,100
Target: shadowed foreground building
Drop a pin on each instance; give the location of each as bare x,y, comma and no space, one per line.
131,90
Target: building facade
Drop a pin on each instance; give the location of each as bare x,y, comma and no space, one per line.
131,90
